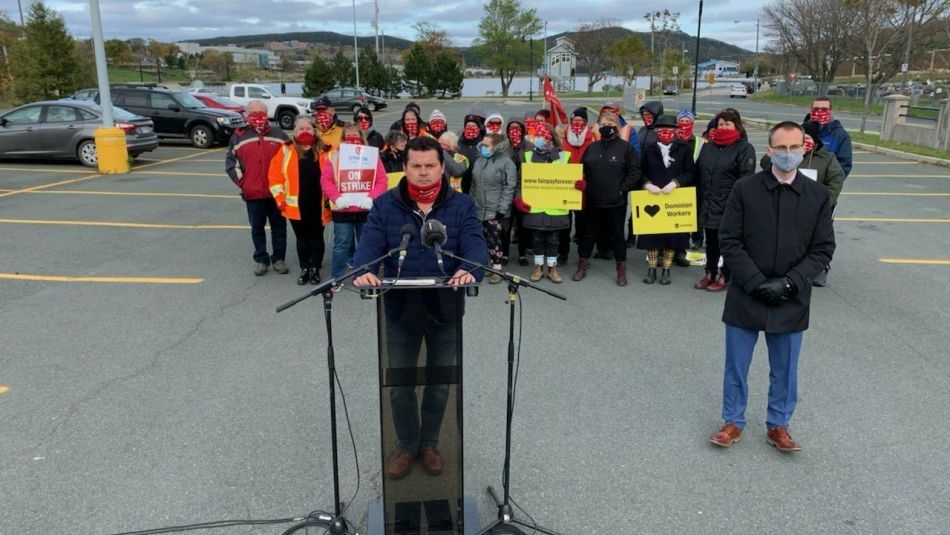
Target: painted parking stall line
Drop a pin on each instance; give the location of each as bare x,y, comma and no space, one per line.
116,280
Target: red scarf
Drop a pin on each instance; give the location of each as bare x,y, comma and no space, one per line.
470,132
665,135
424,194
412,129
436,126
324,120
684,130
821,117
515,136
809,145
724,137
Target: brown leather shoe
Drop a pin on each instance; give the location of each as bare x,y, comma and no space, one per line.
704,282
779,437
721,284
537,274
582,265
400,463
621,273
727,435
431,461
554,275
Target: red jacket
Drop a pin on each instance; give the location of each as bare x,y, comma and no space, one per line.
577,152
249,157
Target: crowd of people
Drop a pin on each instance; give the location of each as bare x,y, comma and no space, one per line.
296,178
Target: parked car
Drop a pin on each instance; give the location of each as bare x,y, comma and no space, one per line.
738,91
84,94
214,101
201,90
350,98
671,90
178,115
280,109
64,129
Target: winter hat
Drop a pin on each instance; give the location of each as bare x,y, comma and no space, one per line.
666,121
437,115
530,114
813,130
494,116
580,112
685,114
477,111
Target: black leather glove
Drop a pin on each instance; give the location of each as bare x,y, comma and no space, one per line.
775,291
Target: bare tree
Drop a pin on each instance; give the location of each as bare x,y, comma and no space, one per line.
815,33
874,24
592,44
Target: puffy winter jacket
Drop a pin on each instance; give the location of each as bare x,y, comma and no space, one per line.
719,168
249,157
494,180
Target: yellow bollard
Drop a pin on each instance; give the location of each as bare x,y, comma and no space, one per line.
111,152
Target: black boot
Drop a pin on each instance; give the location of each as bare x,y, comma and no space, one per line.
680,258
304,277
314,275
664,276
651,276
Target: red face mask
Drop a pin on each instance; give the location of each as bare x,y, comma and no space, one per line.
305,138
665,135
470,132
364,123
324,119
809,145
515,136
648,119
352,139
821,116
540,130
424,194
529,125
684,130
493,127
257,120
577,126
412,128
437,126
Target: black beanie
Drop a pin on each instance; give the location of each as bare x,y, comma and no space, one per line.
580,112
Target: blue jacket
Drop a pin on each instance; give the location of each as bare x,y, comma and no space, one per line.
634,139
837,140
394,209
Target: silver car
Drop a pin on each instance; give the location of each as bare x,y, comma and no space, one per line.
65,129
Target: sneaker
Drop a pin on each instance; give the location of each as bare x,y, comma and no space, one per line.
261,270
281,267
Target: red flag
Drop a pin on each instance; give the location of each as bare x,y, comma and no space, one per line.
550,96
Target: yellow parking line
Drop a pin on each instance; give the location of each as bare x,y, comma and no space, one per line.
892,220
4,389
178,173
127,280
893,194
140,194
120,224
82,178
34,170
921,261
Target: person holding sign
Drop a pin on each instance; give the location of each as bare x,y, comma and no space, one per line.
351,176
494,178
545,224
666,165
611,171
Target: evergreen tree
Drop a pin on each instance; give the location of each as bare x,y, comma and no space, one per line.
44,63
450,75
342,70
417,70
318,79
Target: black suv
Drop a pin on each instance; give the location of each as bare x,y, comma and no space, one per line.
178,115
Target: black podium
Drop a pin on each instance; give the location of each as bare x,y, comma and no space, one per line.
420,401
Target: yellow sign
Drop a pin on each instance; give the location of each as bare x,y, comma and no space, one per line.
549,186
664,213
711,78
394,178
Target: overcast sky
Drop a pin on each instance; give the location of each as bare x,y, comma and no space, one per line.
180,20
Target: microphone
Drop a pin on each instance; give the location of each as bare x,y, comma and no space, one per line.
408,232
434,235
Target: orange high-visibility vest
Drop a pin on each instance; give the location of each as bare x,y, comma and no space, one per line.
284,180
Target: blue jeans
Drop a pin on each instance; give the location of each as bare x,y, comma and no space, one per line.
259,211
784,349
345,237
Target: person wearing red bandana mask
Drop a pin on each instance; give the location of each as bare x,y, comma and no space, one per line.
666,165
294,178
411,124
518,143
725,159
685,123
364,119
349,209
834,137
494,123
413,315
469,139
578,135
648,114
437,125
247,163
328,126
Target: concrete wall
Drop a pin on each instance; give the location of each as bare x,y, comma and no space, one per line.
936,134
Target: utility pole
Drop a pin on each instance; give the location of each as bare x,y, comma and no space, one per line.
652,58
356,48
699,26
755,70
531,73
20,6
376,24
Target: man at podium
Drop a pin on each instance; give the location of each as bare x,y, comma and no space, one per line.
415,316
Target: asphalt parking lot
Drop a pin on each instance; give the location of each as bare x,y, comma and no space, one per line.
146,381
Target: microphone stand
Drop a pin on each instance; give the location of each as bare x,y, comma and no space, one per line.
507,523
335,525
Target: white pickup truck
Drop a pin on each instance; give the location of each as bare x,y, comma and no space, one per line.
282,110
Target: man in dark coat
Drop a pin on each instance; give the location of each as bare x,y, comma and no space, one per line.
414,315
776,236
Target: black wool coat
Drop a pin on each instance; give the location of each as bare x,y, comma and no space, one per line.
717,169
774,230
681,170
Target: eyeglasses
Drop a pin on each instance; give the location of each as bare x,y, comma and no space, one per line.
362,118
785,148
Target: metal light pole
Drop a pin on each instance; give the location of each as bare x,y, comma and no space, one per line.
110,153
755,70
20,6
102,74
699,25
356,48
531,72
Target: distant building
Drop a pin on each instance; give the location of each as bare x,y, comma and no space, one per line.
720,68
264,59
561,64
282,46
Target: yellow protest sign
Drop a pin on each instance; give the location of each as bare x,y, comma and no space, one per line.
664,213
394,178
549,186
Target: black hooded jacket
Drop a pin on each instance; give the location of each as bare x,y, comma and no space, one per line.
373,138
646,134
469,149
